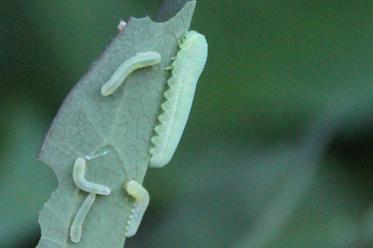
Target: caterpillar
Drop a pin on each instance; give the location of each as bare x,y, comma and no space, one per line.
77,225
138,61
84,184
186,69
141,197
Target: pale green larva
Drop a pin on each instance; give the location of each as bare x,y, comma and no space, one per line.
138,61
84,184
186,69
141,197
77,225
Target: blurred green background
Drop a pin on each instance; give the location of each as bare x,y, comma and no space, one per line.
278,150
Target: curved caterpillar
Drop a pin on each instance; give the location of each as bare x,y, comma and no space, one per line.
141,196
84,184
138,61
77,225
186,69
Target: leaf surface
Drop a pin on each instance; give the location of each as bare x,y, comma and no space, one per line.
112,133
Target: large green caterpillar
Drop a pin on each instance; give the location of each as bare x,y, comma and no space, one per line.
186,69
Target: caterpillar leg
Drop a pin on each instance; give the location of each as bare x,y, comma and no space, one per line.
77,225
141,202
84,184
169,68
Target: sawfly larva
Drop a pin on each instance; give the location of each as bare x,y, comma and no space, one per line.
141,197
77,225
84,184
138,61
186,69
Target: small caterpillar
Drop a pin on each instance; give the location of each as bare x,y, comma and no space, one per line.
141,196
186,69
77,225
138,61
84,184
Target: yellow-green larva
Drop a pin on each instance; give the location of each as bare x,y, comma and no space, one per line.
77,225
84,184
186,69
138,61
141,197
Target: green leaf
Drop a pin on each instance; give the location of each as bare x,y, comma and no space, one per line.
114,132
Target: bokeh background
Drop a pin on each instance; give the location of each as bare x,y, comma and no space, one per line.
278,150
